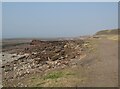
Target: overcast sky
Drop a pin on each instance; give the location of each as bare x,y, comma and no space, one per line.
52,19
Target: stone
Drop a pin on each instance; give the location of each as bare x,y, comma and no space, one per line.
3,67
22,57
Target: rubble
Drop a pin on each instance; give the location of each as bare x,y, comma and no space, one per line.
40,56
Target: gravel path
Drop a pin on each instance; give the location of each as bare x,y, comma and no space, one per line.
102,66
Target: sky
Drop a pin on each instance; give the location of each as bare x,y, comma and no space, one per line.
57,19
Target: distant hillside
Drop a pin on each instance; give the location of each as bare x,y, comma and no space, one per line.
108,32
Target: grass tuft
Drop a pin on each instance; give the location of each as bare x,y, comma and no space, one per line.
54,75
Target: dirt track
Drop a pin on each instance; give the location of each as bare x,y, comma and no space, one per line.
102,65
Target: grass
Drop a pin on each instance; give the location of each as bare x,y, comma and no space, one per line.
58,74
91,45
108,32
113,37
54,75
56,78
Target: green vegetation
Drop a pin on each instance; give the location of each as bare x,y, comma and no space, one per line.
54,75
57,78
108,32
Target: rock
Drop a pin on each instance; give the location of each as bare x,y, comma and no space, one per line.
40,56
26,49
57,56
81,49
56,62
3,67
33,53
22,57
13,56
65,46
6,69
85,44
66,56
27,71
61,57
63,66
35,42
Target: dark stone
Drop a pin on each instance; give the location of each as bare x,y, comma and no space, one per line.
3,67
22,57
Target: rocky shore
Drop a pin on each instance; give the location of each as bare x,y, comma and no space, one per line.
40,56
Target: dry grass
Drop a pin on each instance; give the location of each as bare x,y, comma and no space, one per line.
113,37
63,78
